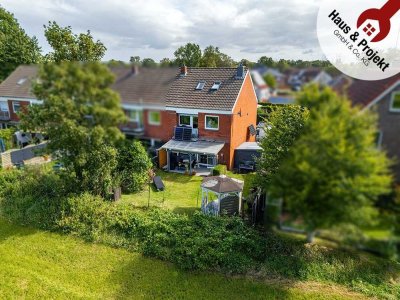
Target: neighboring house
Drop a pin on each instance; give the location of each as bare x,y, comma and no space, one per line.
282,100
218,105
298,78
261,88
279,77
16,95
211,112
142,92
383,97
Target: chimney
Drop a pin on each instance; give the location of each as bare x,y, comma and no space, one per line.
240,72
184,70
135,69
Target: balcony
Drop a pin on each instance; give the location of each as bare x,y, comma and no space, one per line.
133,129
4,115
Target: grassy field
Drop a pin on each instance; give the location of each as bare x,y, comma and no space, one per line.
41,265
182,193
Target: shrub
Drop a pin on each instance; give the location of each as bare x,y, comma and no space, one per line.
219,170
32,197
196,243
133,166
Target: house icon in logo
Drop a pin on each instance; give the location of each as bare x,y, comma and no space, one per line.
382,16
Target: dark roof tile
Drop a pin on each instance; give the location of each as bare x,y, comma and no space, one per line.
183,93
149,86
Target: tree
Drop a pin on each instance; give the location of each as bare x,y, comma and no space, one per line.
188,55
149,63
333,172
68,46
266,61
213,58
283,65
283,126
116,63
270,81
135,60
133,165
16,47
166,62
80,114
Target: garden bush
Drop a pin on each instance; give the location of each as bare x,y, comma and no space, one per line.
219,170
32,197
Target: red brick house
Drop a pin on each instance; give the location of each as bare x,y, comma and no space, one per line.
217,105
142,93
15,95
219,108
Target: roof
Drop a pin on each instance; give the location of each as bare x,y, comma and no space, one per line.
249,146
183,93
258,80
281,100
205,147
222,184
363,93
15,85
148,86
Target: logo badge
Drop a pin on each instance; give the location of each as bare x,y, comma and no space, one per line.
361,38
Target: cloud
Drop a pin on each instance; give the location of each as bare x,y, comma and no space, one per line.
241,28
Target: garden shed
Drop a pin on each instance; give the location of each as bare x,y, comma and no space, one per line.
246,154
221,195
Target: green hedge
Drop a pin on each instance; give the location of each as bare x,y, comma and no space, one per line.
219,170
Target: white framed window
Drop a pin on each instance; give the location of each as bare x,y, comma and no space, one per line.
379,138
212,122
188,120
395,102
133,115
154,117
216,85
16,106
4,106
200,85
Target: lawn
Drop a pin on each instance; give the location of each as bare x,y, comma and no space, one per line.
182,193
41,265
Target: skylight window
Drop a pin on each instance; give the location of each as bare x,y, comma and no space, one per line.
21,81
216,85
200,85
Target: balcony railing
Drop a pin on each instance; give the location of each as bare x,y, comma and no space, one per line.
4,115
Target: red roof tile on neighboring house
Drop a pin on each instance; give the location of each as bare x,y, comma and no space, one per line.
362,92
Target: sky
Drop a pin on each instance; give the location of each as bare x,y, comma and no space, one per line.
155,28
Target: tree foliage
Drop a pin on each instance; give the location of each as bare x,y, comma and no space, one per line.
270,80
16,47
133,166
149,63
188,55
282,127
333,172
80,114
214,58
68,46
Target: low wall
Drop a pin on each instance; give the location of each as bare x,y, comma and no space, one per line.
15,156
